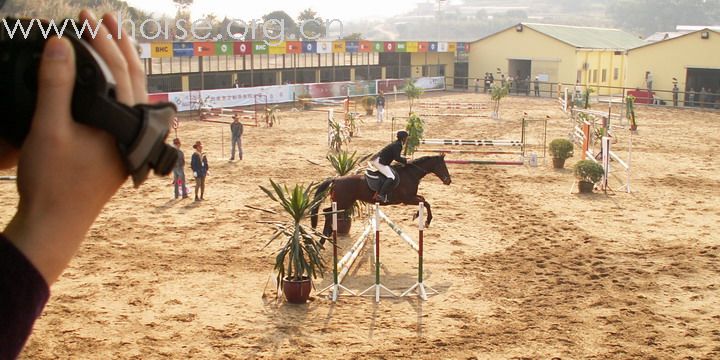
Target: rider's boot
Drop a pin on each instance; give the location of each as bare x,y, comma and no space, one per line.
385,189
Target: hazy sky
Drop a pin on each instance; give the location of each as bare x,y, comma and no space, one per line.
253,9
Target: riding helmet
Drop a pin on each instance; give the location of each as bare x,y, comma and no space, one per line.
402,135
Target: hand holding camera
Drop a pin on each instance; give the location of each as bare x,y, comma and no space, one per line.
67,170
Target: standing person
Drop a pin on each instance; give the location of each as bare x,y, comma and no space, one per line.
179,172
537,86
491,80
199,165
380,106
382,161
502,80
675,93
55,209
236,132
649,83
691,97
477,85
702,98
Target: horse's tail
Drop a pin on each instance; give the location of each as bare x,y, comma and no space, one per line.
319,192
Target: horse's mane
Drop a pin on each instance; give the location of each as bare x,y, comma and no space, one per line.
423,159
418,161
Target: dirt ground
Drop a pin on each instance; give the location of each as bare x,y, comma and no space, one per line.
524,268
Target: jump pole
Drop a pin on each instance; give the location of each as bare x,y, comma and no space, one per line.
457,151
335,286
471,142
421,291
484,162
378,287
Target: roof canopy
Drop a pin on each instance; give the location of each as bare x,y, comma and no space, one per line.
589,37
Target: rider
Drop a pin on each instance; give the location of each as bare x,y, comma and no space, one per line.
382,161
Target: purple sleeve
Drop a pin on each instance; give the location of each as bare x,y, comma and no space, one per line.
23,294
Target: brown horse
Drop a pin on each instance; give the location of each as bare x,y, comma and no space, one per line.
347,189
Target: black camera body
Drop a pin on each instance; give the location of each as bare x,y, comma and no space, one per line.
140,131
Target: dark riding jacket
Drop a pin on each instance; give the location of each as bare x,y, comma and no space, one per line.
391,152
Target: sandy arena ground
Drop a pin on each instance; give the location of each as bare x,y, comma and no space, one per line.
524,268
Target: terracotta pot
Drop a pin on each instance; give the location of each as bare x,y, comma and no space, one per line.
585,187
297,291
343,225
558,163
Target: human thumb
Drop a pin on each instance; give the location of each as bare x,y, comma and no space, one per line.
56,80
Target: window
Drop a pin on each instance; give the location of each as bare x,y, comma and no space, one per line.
579,75
594,76
616,73
604,75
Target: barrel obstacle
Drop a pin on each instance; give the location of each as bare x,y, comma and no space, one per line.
584,133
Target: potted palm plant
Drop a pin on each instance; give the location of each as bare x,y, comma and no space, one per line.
560,150
368,103
298,260
588,174
344,163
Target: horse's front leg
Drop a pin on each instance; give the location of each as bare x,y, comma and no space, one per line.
419,199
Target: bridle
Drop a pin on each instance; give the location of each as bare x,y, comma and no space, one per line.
444,179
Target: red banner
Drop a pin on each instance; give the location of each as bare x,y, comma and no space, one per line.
389,46
204,49
366,46
293,47
242,48
422,47
156,98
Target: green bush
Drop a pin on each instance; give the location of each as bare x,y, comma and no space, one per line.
561,149
589,171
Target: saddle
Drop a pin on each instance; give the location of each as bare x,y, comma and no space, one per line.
375,178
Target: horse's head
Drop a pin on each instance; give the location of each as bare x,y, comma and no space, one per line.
436,165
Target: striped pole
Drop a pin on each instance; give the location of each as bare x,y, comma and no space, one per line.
453,151
399,231
347,261
422,289
337,278
471,142
483,162
378,287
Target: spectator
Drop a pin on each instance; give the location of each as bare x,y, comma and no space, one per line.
675,93
380,105
200,167
691,97
537,86
179,172
702,100
236,132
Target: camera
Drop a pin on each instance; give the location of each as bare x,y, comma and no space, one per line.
140,131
